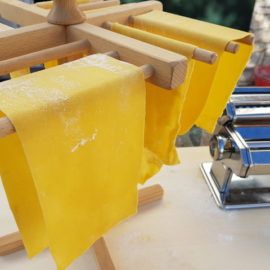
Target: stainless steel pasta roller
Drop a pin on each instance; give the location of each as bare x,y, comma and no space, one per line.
239,176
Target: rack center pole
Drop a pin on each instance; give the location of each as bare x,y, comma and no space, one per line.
65,12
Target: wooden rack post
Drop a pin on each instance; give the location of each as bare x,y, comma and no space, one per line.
65,12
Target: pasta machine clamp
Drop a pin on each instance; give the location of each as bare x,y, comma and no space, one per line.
239,176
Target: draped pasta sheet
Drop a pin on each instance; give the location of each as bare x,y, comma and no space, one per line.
163,107
210,85
87,132
71,170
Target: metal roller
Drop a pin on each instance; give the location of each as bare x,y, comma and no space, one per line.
239,176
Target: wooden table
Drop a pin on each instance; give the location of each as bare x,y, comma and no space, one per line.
186,231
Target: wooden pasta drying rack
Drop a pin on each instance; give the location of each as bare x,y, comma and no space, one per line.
60,30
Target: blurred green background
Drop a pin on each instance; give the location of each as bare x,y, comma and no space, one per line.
232,13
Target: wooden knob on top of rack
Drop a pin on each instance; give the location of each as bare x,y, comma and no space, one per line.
65,12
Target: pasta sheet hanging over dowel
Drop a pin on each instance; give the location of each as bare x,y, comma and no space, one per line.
210,86
163,108
64,183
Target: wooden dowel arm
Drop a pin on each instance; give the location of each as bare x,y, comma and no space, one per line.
199,54
40,57
22,13
170,67
10,244
103,255
148,70
122,13
232,47
149,195
113,54
28,39
205,56
7,128
28,60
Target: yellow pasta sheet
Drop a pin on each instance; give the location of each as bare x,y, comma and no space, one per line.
163,108
50,64
211,85
19,73
71,170
22,72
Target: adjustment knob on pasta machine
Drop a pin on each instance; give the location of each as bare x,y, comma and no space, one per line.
220,147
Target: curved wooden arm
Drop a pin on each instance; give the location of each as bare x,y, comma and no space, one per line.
65,12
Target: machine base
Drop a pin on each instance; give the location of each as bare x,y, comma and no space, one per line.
243,193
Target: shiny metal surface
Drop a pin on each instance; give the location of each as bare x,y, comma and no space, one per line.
243,193
250,99
244,111
248,108
239,177
220,147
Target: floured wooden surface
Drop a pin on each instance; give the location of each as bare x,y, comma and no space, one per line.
186,231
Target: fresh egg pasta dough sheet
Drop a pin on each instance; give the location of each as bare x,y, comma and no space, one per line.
50,64
211,85
64,184
25,71
163,108
19,73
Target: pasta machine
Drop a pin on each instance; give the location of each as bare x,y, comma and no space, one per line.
239,176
